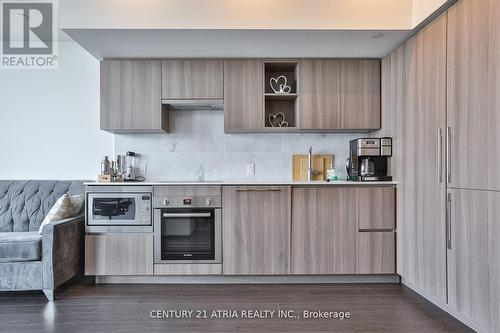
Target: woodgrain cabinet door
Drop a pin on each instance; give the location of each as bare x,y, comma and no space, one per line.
343,230
474,257
375,239
324,231
421,204
360,94
119,254
474,94
131,97
376,252
319,94
192,79
243,95
256,230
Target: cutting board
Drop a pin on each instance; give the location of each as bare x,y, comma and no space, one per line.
320,163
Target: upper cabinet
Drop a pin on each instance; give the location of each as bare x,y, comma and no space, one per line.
131,97
259,95
339,95
360,94
197,79
243,96
319,91
473,95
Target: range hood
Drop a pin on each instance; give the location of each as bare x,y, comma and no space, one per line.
194,104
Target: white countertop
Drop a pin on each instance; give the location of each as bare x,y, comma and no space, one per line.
243,182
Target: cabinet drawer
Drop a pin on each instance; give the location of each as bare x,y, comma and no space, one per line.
119,254
188,269
376,253
377,208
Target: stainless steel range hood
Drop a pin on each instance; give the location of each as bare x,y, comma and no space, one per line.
194,104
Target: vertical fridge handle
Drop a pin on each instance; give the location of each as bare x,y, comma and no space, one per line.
448,154
448,221
440,155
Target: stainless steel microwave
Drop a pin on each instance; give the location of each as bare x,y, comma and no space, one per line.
119,209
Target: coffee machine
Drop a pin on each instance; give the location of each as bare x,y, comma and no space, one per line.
368,159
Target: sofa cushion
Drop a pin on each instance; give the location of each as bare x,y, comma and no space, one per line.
20,246
24,203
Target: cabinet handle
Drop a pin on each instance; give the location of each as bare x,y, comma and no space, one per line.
440,155
448,154
259,189
448,221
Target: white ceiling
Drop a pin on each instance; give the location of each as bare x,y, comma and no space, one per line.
242,28
147,43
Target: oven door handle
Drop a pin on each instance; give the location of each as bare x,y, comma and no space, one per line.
187,214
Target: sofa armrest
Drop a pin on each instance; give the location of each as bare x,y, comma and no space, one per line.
62,251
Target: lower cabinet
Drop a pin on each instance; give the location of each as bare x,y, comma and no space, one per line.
187,269
343,230
323,231
256,230
474,256
376,252
119,254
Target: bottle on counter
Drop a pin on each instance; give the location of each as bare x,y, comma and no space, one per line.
105,166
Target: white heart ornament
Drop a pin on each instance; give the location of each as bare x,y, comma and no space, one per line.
279,85
275,120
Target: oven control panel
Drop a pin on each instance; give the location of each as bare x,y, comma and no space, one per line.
187,201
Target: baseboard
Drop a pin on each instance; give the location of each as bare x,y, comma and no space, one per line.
445,307
258,279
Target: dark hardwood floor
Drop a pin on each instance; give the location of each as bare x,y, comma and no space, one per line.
84,307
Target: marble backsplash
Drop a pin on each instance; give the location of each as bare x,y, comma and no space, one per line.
198,149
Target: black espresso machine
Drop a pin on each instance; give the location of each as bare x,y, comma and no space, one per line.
368,159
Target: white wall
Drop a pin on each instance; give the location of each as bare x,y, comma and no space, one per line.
198,149
49,120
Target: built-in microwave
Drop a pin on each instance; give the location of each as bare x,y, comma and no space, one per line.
120,210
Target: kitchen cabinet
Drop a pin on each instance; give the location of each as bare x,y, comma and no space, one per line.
335,231
243,95
256,230
192,79
187,269
474,95
131,97
360,94
323,231
420,67
119,254
376,252
339,94
319,94
474,257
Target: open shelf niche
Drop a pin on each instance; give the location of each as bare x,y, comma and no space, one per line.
280,108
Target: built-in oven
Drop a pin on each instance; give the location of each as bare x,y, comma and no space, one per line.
188,229
111,208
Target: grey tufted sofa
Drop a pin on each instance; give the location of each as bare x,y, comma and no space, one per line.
28,260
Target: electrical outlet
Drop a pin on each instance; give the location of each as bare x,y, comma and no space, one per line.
250,169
